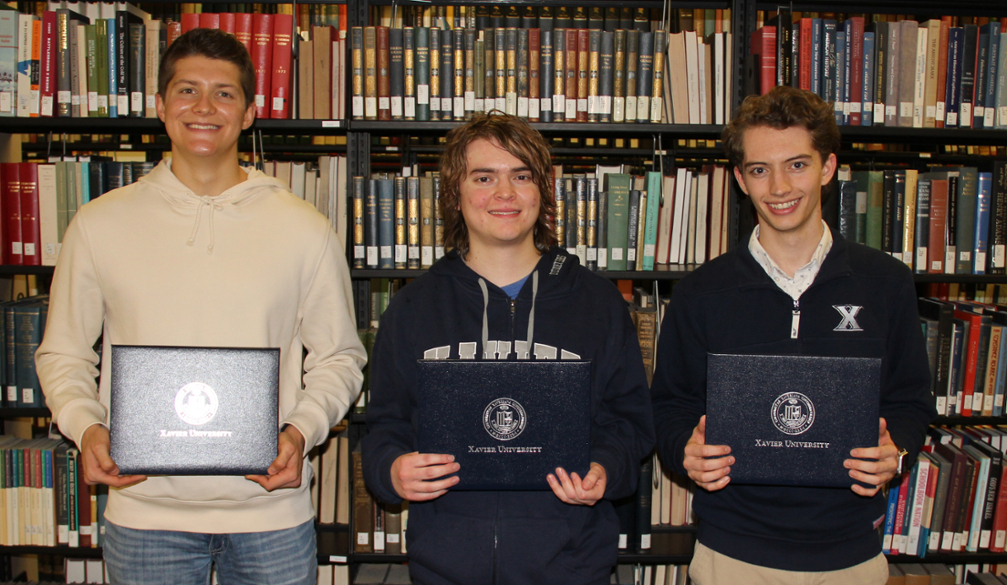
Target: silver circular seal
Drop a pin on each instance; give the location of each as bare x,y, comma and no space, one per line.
196,403
793,413
504,419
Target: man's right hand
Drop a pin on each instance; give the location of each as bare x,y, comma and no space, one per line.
98,465
708,465
412,474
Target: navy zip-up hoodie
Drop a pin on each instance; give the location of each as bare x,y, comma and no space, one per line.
730,305
518,537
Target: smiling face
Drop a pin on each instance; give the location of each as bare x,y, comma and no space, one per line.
498,198
203,108
784,175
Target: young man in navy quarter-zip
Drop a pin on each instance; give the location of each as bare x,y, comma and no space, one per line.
794,287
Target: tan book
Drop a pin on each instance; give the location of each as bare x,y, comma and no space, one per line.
357,73
909,226
500,65
426,185
583,63
677,75
510,40
401,219
593,69
413,222
559,74
371,74
570,113
619,78
343,479
393,528
363,508
657,93
305,80
409,73
933,60
322,64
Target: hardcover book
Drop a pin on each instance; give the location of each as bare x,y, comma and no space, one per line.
194,411
508,423
792,420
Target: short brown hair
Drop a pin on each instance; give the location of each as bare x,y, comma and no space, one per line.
783,107
212,44
519,139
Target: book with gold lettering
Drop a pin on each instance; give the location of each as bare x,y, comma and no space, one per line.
793,419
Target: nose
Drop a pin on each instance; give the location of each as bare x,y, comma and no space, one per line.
204,105
779,184
506,190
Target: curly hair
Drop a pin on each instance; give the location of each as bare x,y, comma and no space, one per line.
519,139
212,44
783,107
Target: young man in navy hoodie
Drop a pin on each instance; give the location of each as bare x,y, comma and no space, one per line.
504,291
794,287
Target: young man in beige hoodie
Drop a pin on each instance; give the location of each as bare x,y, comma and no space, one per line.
203,253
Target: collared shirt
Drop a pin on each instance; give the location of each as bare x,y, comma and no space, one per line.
804,276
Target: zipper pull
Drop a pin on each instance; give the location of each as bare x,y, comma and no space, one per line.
795,320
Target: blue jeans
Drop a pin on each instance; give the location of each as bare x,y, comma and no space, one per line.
164,557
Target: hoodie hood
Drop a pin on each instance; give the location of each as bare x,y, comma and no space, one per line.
182,199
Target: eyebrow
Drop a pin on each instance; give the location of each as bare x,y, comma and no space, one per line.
494,171
789,160
193,82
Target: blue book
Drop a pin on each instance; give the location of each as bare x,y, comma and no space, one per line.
386,223
867,112
893,503
113,70
829,60
9,65
989,118
981,79
982,223
85,185
840,74
816,56
952,95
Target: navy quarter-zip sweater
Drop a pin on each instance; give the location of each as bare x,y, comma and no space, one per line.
730,305
514,537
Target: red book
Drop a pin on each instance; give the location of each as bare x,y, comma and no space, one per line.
174,31
763,46
283,34
31,236
243,29
900,515
955,491
262,59
942,71
969,381
47,65
209,20
856,68
384,81
938,225
3,225
190,21
227,20
804,58
12,211
1000,516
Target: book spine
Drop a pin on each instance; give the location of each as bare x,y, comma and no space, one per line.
409,73
657,85
632,67
867,92
594,66
30,232
458,80
262,60
359,196
547,76
413,224
606,55
447,73
396,74
922,236
122,63
856,69
62,64
400,252
968,76
422,74
12,212
510,60
48,65
534,75
990,102
559,75
137,69
570,108
371,224
522,70
473,72
382,64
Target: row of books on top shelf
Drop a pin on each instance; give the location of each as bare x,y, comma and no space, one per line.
948,220
541,74
37,202
100,59
946,72
610,219
45,501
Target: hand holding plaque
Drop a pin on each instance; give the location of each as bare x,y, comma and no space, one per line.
708,465
416,476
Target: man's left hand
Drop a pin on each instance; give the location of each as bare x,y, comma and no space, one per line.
285,470
571,489
875,465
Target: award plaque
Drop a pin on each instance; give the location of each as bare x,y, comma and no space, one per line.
194,410
792,420
508,423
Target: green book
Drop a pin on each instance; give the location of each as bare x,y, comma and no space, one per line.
965,211
860,179
29,324
654,182
617,186
875,203
422,65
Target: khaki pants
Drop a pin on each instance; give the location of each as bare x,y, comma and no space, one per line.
709,567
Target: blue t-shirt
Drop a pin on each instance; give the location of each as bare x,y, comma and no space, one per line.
513,289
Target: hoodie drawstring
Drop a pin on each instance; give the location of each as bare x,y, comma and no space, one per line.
213,205
531,315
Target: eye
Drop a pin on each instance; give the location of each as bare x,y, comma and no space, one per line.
799,165
523,177
756,171
484,180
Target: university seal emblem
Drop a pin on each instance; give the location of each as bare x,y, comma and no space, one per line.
196,403
504,419
793,413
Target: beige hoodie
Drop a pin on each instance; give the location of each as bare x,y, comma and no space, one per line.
154,264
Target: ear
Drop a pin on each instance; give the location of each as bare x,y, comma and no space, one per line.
828,168
741,180
249,116
159,106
